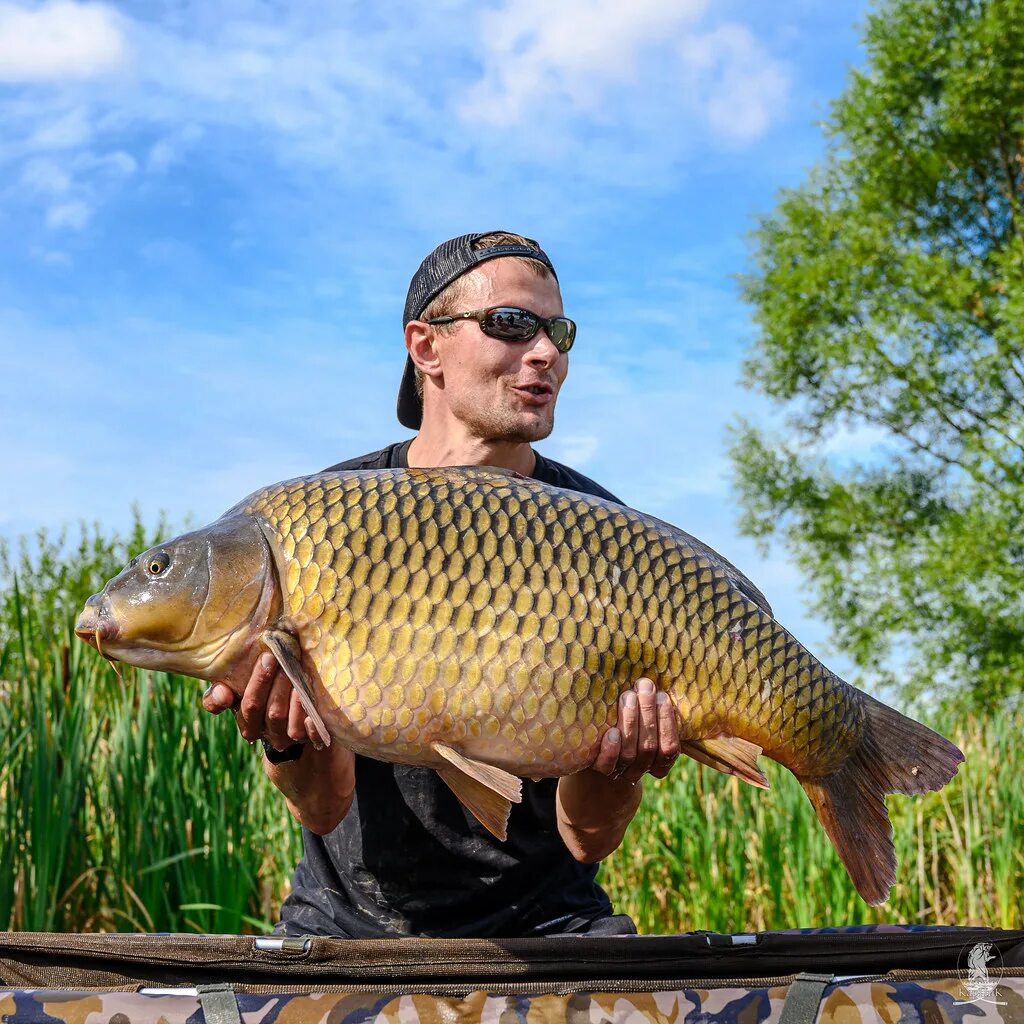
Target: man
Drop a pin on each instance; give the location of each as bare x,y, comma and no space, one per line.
389,850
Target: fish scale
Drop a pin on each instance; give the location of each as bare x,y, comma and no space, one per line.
485,625
488,612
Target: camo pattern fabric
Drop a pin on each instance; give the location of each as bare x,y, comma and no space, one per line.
929,1001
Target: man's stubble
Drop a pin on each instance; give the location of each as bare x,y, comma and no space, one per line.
497,424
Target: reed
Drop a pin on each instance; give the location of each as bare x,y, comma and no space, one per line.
123,806
709,852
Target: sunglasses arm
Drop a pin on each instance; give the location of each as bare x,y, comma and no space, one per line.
451,319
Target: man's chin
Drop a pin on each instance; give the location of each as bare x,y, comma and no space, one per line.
527,432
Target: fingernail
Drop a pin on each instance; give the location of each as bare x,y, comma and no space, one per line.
645,686
208,691
614,735
629,701
266,660
662,698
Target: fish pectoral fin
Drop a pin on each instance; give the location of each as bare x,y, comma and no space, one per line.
285,648
502,782
728,754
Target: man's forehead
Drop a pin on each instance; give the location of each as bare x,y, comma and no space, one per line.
509,280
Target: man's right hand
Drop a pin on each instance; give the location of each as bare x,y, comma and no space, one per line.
269,707
320,785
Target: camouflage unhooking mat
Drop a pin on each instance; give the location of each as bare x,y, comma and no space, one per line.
889,974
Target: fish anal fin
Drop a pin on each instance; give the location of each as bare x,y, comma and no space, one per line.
728,754
490,808
285,647
504,783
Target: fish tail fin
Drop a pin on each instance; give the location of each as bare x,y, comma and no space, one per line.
895,755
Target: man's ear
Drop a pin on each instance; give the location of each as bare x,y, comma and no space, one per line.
420,341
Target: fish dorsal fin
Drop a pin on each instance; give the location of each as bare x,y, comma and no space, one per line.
286,649
728,754
488,792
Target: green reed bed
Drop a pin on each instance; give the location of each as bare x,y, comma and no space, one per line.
124,806
706,851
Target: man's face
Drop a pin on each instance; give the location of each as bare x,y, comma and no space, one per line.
486,380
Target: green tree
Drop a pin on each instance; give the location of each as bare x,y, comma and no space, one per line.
888,294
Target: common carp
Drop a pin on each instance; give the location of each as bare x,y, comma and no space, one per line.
483,624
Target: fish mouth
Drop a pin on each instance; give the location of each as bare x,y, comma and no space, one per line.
95,625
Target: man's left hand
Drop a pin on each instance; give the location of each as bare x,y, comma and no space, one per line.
645,741
595,806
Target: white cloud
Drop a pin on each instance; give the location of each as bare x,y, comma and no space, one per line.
59,129
59,40
51,257
616,96
45,176
74,215
172,147
742,88
576,49
574,449
649,60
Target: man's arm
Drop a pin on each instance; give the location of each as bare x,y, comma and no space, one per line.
320,784
318,787
595,806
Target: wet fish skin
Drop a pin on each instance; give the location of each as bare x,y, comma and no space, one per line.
485,624
411,591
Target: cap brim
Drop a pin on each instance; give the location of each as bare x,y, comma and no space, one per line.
410,409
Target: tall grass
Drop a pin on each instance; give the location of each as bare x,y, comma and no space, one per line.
122,806
125,806
710,852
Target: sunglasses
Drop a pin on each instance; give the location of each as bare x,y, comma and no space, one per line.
510,323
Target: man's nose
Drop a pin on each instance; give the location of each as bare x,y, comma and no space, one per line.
542,350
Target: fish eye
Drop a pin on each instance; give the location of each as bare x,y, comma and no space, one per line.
158,563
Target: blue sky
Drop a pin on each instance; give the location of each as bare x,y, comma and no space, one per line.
211,211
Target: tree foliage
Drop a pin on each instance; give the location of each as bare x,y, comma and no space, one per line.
888,293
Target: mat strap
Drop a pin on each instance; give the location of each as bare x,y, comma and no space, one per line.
218,1003
804,998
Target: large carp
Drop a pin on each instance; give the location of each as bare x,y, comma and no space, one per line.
484,624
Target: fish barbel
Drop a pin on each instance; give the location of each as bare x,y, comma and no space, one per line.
484,624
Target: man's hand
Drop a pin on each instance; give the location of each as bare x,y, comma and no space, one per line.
595,805
319,786
645,741
269,706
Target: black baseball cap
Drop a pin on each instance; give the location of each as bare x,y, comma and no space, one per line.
448,261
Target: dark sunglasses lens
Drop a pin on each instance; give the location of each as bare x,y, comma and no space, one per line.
510,324
562,333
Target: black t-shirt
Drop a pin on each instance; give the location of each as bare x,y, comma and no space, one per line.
409,859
